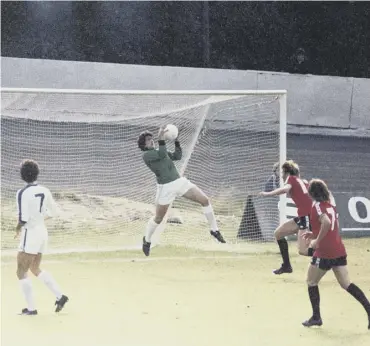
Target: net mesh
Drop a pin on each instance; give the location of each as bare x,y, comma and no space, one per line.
86,146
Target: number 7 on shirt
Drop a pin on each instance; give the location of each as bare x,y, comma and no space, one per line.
42,196
303,186
332,215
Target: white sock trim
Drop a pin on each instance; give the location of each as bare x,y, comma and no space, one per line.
26,286
150,229
152,222
208,209
50,283
210,216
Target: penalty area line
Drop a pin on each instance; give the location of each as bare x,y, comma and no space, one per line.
136,259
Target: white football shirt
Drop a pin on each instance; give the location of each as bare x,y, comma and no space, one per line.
34,202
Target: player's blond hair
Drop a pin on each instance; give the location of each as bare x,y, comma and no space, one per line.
290,167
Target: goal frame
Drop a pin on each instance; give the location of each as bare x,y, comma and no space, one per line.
280,93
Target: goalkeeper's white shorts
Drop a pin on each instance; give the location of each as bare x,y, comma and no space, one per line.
167,193
33,241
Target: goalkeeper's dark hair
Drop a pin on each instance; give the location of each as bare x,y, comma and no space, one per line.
142,138
290,167
319,191
29,171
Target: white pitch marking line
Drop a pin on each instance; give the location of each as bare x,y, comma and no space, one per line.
150,259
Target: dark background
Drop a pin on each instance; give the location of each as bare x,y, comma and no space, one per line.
329,38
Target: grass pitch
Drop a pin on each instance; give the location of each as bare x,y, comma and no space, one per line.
184,297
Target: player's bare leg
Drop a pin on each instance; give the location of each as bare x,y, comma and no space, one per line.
49,282
286,229
304,244
341,273
24,261
153,223
195,194
314,275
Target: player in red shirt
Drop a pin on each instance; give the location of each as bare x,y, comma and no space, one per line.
329,251
297,190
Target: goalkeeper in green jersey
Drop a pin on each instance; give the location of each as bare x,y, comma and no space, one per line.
170,185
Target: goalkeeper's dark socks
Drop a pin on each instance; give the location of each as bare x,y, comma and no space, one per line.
357,293
284,250
314,294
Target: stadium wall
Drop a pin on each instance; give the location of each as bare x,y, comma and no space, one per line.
353,210
316,104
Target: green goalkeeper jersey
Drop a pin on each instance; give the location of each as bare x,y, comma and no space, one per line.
160,162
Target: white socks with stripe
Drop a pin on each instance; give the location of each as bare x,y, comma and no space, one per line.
208,212
150,229
210,215
26,287
50,283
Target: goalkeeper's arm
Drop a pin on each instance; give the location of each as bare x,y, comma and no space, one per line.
177,154
161,153
162,149
156,155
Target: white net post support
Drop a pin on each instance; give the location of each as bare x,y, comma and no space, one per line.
282,154
86,144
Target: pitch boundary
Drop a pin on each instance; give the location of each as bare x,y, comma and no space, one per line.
137,259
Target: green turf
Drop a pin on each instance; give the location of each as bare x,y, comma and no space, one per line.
121,298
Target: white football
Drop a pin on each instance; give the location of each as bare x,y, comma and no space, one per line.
171,132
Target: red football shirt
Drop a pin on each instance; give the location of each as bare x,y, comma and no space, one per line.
331,246
299,195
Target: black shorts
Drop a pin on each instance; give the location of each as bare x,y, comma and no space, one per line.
302,222
327,264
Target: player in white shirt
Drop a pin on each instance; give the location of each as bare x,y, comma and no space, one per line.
34,203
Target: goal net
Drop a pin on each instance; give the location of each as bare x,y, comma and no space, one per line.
86,145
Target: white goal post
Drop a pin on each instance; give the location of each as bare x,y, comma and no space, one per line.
86,144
